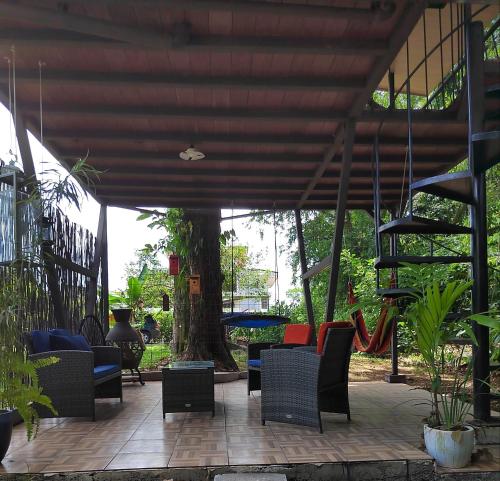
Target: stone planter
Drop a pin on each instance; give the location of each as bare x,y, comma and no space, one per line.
5,432
450,449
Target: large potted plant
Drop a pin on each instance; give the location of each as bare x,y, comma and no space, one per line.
448,438
19,389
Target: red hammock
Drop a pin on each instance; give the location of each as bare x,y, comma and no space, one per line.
380,341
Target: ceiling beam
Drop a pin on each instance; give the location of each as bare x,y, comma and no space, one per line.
163,159
184,42
269,175
380,10
196,138
107,182
128,79
262,115
406,23
62,20
145,193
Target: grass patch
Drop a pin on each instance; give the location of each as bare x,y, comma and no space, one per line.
240,356
154,354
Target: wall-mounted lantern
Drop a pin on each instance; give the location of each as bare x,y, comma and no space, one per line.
19,229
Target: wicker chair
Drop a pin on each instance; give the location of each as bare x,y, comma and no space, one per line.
298,384
78,378
295,335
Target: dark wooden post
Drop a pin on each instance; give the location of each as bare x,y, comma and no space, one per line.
303,267
45,248
104,273
91,297
479,246
340,217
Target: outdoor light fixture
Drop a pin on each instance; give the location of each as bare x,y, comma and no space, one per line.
191,153
47,234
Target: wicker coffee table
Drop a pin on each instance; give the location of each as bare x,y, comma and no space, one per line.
188,386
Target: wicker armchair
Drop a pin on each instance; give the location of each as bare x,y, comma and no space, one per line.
295,335
78,379
298,384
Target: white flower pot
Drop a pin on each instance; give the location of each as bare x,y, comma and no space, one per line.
451,449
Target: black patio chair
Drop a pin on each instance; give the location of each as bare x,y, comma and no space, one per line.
298,384
91,328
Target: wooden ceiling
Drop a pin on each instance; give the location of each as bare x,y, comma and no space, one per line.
263,88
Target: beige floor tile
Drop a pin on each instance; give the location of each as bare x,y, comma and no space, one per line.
139,460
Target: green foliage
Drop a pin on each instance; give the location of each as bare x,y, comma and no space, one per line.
130,298
154,354
19,387
433,332
165,319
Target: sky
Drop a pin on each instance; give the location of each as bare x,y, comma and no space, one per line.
126,234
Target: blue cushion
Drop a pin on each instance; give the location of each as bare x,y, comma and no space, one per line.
60,332
105,370
254,362
68,343
40,341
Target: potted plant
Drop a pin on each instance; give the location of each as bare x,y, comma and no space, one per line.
448,438
19,389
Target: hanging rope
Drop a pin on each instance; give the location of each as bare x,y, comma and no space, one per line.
40,66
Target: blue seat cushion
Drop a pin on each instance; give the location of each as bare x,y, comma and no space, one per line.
68,343
105,370
40,341
60,332
254,362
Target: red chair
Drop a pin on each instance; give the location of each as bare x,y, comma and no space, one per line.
296,335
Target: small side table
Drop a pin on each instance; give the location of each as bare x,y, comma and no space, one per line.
188,386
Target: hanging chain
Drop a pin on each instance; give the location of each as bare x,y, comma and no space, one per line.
14,103
276,277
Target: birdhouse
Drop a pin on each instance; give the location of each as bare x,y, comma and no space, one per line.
19,229
194,285
173,265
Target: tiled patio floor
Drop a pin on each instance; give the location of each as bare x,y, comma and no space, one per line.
386,425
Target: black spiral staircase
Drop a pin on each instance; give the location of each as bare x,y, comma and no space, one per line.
467,187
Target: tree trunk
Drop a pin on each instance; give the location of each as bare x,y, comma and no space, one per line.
180,326
206,340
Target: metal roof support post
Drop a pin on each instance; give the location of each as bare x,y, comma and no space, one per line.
305,281
345,175
479,246
394,377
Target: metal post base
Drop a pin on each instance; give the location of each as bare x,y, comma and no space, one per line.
395,378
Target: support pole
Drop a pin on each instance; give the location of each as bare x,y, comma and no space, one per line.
104,274
91,297
479,246
305,282
45,248
340,217
394,377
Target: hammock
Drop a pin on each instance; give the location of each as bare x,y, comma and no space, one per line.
380,341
